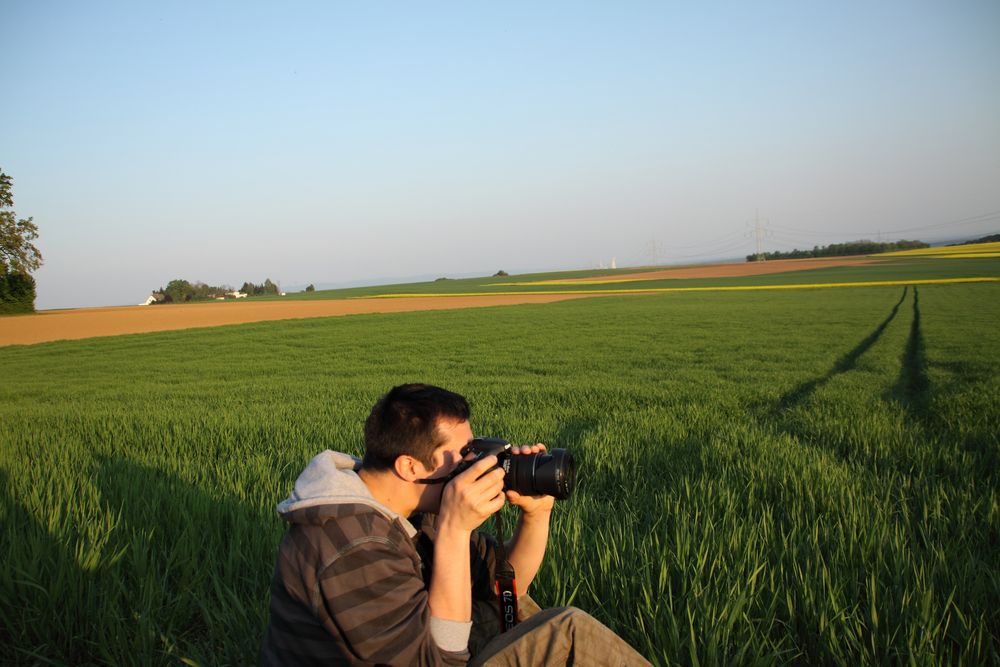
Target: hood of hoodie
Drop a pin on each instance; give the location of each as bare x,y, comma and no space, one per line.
331,478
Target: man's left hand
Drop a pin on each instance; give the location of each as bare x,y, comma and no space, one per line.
530,505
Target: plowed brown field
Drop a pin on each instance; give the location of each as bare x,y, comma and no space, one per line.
734,270
90,322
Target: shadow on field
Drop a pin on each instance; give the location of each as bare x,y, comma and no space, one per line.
150,569
912,389
39,588
195,575
604,469
843,365
571,434
913,392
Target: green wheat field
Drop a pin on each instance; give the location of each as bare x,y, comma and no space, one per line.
786,477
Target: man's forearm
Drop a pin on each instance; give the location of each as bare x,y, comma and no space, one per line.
526,548
449,597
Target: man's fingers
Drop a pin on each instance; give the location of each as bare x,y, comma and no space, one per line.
487,486
481,482
479,467
475,471
475,494
537,448
495,505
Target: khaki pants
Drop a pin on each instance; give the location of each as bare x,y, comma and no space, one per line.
563,636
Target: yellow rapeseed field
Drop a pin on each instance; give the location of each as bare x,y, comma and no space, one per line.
951,252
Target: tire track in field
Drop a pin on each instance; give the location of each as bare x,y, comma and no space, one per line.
780,419
912,392
928,444
846,363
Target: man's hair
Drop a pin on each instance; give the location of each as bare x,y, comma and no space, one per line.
405,421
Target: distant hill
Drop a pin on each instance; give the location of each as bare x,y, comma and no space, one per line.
992,238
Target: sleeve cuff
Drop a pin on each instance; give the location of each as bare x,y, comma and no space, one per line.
450,635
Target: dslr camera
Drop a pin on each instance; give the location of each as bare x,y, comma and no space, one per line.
551,473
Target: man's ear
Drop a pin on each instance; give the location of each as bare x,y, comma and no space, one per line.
409,468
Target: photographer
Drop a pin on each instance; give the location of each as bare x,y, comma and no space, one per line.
382,562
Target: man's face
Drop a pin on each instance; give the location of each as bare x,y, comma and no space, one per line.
456,435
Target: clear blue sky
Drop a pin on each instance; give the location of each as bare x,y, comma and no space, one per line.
344,141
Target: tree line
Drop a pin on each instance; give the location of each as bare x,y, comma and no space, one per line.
267,287
840,250
183,291
18,255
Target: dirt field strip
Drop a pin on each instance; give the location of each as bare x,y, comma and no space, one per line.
717,271
90,322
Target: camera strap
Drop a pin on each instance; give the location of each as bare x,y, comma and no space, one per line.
506,586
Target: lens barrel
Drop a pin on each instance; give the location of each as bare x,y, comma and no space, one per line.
545,474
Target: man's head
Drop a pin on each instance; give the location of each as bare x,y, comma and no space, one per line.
413,420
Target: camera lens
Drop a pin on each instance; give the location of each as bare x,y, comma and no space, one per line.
546,474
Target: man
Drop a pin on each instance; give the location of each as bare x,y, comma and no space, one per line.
382,565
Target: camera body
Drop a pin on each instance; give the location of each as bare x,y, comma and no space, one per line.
544,474
481,447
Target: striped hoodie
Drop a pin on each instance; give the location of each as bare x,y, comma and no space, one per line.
351,579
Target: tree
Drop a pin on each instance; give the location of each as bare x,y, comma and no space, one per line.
310,287
178,291
252,289
18,255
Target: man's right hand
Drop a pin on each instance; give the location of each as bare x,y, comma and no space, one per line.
472,497
466,502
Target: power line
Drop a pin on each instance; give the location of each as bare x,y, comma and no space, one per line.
654,249
786,236
732,236
759,232
983,217
716,251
